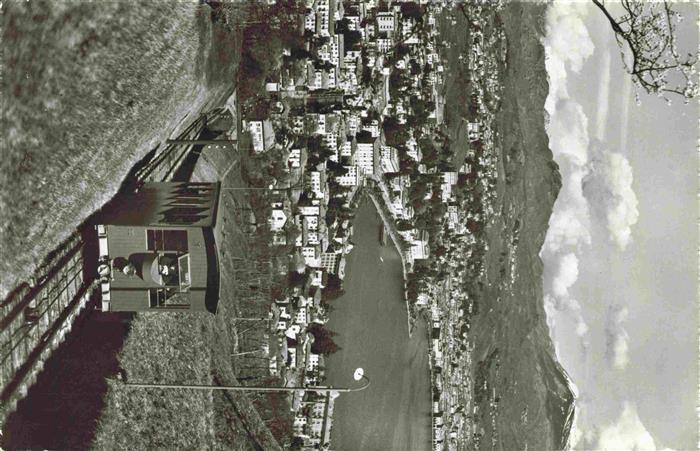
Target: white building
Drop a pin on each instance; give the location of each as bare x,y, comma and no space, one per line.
312,238
336,50
316,185
312,362
386,22
310,21
364,158
294,159
323,18
256,131
277,220
413,150
301,317
419,247
310,210
316,278
311,255
311,222
384,44
473,131
349,179
389,159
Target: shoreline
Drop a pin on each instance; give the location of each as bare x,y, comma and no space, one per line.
388,224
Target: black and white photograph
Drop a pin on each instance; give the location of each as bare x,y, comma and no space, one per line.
350,225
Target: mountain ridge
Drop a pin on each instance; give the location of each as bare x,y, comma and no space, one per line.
530,400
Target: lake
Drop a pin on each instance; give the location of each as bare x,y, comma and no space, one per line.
370,319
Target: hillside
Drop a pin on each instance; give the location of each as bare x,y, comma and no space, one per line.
88,88
523,394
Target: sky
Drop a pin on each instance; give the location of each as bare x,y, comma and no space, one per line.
620,255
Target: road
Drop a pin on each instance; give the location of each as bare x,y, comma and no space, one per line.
370,319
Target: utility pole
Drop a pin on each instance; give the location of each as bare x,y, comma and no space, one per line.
200,142
359,375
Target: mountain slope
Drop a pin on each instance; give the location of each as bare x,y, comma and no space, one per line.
524,397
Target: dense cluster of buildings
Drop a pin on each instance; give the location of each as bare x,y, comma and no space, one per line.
455,414
349,112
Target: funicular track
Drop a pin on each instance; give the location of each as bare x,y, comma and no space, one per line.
38,314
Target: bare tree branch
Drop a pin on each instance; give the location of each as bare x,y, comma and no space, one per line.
646,31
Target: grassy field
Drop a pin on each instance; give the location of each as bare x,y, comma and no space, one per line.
514,357
202,348
87,89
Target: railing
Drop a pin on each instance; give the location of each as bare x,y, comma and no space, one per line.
36,317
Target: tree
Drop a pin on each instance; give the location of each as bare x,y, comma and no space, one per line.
297,443
646,31
323,340
403,225
336,169
333,288
295,279
297,53
412,10
342,25
351,38
391,175
394,133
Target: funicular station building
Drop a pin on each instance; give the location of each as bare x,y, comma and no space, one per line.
157,250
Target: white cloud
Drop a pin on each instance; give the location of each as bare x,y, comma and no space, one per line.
603,97
616,338
568,133
623,214
625,101
581,437
628,433
569,225
566,275
567,45
609,189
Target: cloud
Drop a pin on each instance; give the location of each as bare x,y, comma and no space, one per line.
623,213
616,338
603,97
625,101
566,275
608,186
567,46
581,437
569,225
568,133
628,433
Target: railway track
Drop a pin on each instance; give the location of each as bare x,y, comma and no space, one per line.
38,314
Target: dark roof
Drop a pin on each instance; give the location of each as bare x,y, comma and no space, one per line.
164,204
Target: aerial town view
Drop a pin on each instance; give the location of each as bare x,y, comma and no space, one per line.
349,225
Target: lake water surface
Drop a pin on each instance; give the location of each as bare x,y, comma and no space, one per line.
393,413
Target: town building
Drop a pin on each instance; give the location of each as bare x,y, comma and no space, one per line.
386,22
364,158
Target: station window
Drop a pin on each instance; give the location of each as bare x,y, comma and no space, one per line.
167,298
184,267
167,240
156,298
